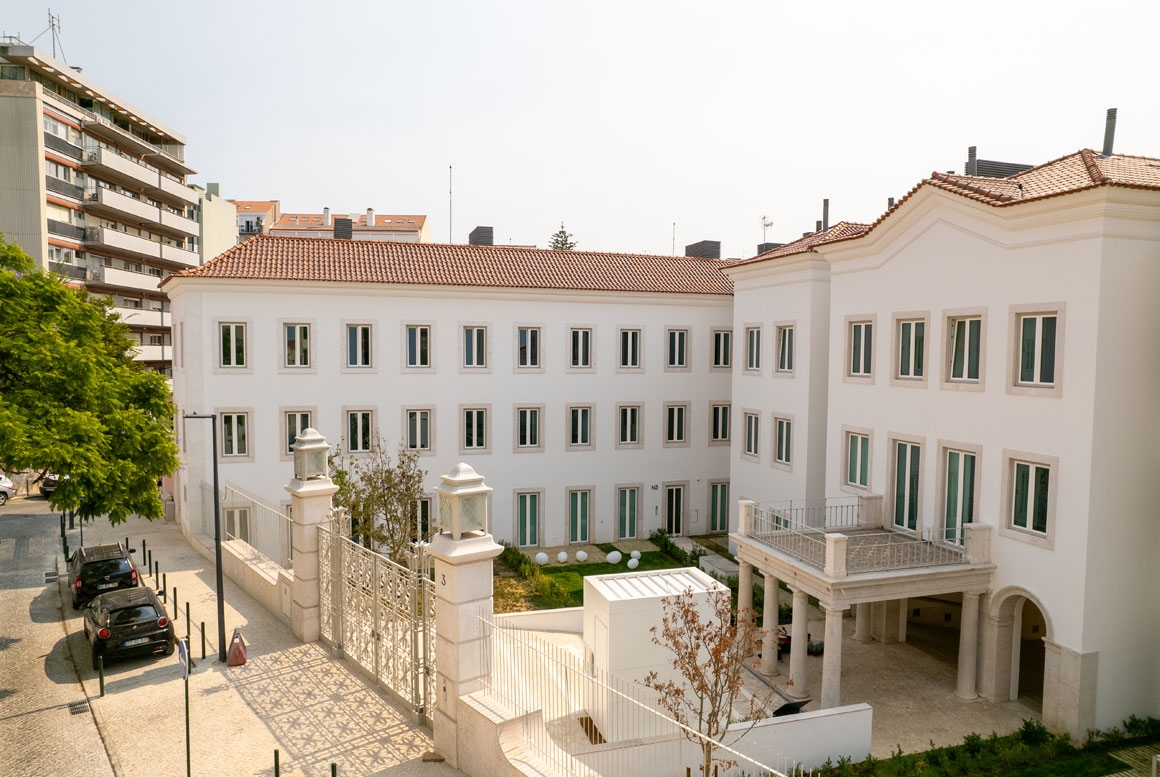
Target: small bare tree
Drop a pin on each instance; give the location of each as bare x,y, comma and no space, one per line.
710,644
379,494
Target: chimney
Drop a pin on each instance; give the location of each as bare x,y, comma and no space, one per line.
972,162
481,236
326,217
817,226
370,218
1109,132
889,203
704,249
825,214
343,229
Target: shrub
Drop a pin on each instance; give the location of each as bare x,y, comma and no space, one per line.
973,744
663,540
1033,733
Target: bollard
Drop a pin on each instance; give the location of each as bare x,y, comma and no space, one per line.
188,622
164,588
62,526
101,673
65,543
203,640
126,543
277,768
334,770
149,560
176,606
142,550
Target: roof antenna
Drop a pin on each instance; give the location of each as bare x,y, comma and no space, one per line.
765,224
54,25
449,241
674,253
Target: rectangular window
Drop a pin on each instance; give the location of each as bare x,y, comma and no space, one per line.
419,430
297,345
1029,496
960,495
629,425
358,345
528,506
861,345
626,506
233,345
1037,350
858,460
753,348
418,346
475,429
234,441
752,434
630,348
722,348
911,337
528,347
677,356
720,432
580,341
674,509
474,346
784,441
907,461
965,337
528,435
675,423
580,426
719,507
420,520
578,515
296,424
785,349
358,431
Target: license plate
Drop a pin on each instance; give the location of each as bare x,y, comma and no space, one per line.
134,642
103,586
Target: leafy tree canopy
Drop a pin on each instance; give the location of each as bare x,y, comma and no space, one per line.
562,240
73,401
380,495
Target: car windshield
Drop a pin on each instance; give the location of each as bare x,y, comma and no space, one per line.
105,568
144,612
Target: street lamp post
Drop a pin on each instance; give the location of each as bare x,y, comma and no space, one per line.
217,536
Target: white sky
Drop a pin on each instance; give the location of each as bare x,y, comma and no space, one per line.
618,118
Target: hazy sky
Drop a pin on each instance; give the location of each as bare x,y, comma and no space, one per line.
619,118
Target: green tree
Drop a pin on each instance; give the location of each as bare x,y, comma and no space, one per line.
710,644
562,240
73,401
380,494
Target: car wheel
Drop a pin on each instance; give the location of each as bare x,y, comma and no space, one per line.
3,498
170,647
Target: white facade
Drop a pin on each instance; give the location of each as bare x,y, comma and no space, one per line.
266,391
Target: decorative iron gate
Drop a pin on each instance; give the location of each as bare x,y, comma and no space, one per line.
381,615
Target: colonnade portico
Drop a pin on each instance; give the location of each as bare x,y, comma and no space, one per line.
878,597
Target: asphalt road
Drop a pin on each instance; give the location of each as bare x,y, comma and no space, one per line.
46,727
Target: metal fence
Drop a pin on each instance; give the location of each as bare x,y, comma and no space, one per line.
883,550
247,520
579,721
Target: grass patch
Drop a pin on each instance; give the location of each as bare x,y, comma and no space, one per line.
570,579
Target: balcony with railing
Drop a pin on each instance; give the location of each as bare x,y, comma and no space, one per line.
132,173
846,540
122,279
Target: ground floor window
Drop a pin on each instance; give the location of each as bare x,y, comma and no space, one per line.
626,512
719,507
528,506
578,515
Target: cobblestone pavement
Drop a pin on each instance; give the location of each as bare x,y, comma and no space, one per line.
316,710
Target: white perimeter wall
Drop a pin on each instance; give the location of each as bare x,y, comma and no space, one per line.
266,390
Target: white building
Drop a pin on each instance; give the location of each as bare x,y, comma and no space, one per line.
583,384
945,417
392,228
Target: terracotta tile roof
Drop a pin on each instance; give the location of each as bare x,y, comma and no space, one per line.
840,231
254,206
266,257
313,221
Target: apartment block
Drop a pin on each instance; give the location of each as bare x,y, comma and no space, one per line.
95,189
369,226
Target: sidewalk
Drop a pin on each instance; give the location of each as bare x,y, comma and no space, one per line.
314,709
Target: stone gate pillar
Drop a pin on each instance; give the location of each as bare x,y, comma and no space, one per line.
463,551
310,493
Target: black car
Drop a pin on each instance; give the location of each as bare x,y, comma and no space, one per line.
48,484
128,622
101,568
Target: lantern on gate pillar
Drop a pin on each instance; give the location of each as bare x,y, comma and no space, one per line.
463,502
310,456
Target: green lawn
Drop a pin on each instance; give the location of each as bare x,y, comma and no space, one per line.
570,578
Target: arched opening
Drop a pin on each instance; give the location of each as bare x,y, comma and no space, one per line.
1020,625
1028,654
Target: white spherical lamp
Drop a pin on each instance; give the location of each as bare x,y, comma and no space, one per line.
541,558
581,556
635,554
562,556
633,563
614,557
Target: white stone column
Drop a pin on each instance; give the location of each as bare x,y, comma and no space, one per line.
463,589
769,623
799,641
968,646
311,507
832,660
744,586
862,622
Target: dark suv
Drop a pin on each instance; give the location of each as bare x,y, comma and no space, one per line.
98,569
128,622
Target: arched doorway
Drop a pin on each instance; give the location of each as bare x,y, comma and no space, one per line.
1019,624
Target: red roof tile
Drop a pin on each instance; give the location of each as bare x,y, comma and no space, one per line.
840,231
298,222
266,257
